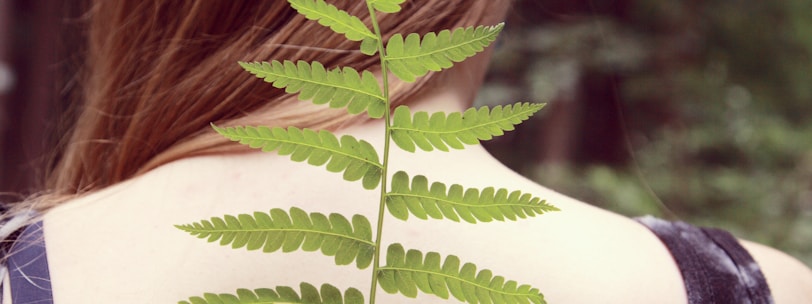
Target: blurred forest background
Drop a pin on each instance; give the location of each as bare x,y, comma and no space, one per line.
696,110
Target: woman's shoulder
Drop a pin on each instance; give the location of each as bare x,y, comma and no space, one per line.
578,255
790,280
94,241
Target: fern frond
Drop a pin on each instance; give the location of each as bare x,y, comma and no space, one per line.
471,205
337,20
414,57
386,6
408,272
277,229
283,294
339,88
441,131
356,158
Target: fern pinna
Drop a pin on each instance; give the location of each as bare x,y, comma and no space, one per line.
352,240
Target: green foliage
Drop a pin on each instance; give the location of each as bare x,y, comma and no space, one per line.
408,272
356,158
719,138
415,56
334,236
472,205
405,272
283,295
456,129
313,82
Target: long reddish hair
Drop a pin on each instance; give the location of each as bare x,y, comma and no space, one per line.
158,72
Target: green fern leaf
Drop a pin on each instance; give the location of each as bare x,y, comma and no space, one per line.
414,57
339,88
283,294
471,205
386,6
441,131
356,158
333,235
337,20
409,272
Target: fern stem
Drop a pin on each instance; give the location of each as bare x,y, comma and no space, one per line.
384,175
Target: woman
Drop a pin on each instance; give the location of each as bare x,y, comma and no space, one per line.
143,158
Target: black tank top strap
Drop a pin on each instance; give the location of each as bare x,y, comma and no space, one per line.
715,267
27,264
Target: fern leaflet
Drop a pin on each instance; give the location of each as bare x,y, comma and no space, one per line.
441,131
356,158
283,295
472,205
276,230
408,272
337,20
386,6
341,88
414,57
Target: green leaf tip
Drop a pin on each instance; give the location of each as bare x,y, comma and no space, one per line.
279,230
337,20
415,56
338,87
357,159
457,129
454,203
328,294
386,6
410,272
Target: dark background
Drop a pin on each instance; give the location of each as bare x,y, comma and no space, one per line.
696,110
